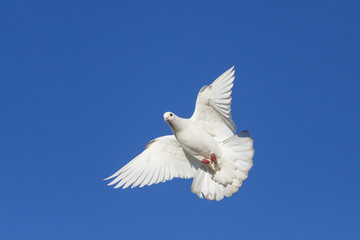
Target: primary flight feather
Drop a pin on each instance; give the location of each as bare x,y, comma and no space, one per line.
204,147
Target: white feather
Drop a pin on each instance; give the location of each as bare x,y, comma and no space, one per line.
156,164
209,131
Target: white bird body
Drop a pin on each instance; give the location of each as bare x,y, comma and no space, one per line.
204,147
194,141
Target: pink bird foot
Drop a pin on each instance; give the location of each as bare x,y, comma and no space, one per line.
213,158
206,162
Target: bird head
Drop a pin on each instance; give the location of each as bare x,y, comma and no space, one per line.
169,117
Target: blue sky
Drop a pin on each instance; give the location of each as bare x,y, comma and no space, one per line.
84,85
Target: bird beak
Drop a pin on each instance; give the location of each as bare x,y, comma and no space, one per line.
166,119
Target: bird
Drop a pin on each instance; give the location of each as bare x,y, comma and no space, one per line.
204,147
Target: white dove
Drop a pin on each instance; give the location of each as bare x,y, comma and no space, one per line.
204,147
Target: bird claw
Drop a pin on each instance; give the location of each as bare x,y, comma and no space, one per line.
212,160
206,162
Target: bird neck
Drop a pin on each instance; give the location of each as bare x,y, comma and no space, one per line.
177,125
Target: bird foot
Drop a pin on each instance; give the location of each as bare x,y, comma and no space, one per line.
212,160
205,161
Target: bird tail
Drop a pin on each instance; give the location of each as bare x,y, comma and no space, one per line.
231,170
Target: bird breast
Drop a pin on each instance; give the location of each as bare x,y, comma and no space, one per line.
197,142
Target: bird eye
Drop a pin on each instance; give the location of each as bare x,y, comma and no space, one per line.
171,114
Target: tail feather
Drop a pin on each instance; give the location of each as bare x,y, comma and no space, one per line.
232,169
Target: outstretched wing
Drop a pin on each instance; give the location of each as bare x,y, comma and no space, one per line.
162,160
213,107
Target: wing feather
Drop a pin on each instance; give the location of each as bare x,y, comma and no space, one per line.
162,160
160,175
213,107
141,177
149,176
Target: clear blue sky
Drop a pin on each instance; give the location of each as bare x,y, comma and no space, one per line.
84,85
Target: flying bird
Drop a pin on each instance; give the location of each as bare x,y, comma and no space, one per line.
204,147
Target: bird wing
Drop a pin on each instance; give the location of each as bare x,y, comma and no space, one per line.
213,107
162,160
